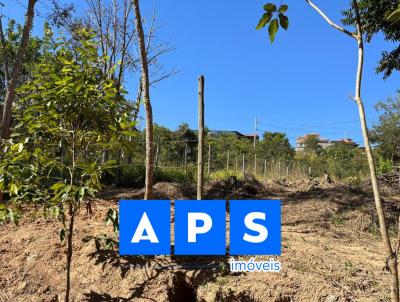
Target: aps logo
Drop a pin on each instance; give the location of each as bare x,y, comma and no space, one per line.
200,227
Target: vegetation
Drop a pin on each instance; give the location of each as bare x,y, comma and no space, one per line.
379,17
68,128
68,116
386,134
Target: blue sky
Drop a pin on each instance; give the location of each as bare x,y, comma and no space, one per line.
299,84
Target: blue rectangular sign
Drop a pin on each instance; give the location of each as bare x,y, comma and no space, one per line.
200,227
145,227
255,227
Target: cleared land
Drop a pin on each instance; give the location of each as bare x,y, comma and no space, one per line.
330,252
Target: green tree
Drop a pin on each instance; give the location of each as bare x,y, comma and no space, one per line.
12,36
379,17
54,158
312,146
364,30
186,141
276,145
12,78
386,134
344,160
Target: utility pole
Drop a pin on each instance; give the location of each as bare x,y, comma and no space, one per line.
200,157
255,131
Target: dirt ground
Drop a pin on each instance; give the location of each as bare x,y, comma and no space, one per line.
331,251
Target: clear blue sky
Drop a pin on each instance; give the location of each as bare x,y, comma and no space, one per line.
299,84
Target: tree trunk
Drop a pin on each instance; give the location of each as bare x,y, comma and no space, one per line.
391,256
69,250
147,104
10,93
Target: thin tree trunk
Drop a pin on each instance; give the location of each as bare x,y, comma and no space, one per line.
6,66
69,251
127,9
10,93
147,104
391,256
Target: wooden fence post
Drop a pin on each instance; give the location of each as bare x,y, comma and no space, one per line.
236,162
157,150
265,167
227,162
186,151
209,159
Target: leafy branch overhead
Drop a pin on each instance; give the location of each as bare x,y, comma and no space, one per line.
275,17
394,16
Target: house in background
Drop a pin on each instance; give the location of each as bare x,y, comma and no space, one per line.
323,142
301,141
346,141
237,134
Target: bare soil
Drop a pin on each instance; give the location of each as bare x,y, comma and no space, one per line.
331,251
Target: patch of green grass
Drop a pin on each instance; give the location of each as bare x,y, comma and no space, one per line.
224,174
134,176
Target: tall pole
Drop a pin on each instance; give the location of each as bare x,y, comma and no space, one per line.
227,162
236,163
255,131
265,167
200,157
209,159
157,150
186,151
255,154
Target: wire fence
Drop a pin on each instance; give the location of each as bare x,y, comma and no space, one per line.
219,158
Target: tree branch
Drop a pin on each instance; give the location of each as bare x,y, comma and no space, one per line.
5,55
330,22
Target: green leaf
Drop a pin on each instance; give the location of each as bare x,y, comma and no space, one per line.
283,8
57,186
264,20
270,7
273,29
394,16
284,21
62,235
129,133
13,189
56,212
13,216
82,192
17,148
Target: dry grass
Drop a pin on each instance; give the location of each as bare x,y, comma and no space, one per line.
330,252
